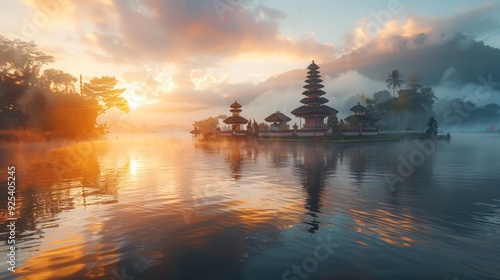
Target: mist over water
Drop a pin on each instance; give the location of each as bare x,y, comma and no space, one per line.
162,207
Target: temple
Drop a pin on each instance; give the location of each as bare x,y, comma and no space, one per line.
278,121
361,119
314,111
235,120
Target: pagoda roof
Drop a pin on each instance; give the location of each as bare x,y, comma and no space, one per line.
359,108
313,66
195,131
314,80
235,105
313,76
314,110
311,92
277,117
308,100
316,86
235,120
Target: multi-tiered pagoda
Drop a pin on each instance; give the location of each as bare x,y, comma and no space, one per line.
235,120
314,111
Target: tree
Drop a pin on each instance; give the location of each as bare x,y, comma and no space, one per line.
381,96
57,81
413,82
332,122
394,81
70,114
104,92
432,127
263,126
20,64
22,59
206,125
426,98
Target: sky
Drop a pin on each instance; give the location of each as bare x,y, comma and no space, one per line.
186,60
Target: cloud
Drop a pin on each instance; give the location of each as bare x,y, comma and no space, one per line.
181,42
174,31
427,47
474,22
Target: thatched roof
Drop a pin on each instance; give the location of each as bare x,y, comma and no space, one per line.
320,100
313,66
315,110
195,131
359,108
235,105
235,120
277,117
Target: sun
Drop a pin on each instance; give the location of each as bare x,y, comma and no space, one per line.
134,98
134,101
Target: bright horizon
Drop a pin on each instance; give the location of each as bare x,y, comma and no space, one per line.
186,61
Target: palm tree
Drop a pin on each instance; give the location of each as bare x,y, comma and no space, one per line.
394,81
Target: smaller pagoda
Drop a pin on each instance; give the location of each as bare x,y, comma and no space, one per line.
195,132
235,120
278,120
361,117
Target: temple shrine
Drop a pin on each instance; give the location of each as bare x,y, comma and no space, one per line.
236,121
361,118
278,121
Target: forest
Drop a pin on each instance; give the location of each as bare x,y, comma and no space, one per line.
37,102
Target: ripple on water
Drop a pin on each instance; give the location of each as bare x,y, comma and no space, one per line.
173,209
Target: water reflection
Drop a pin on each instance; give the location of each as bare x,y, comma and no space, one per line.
315,162
163,208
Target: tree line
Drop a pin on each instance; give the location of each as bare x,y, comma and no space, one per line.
46,101
415,104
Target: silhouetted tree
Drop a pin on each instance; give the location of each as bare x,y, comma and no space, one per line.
381,96
48,101
20,64
104,91
432,127
394,81
207,125
263,126
58,81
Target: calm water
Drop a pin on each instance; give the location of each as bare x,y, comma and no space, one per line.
154,207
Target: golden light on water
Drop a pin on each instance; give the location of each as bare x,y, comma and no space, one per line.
133,167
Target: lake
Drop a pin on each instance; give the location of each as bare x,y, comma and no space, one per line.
162,207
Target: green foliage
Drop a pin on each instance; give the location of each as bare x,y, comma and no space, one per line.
411,108
206,125
381,96
394,81
432,127
263,126
332,122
